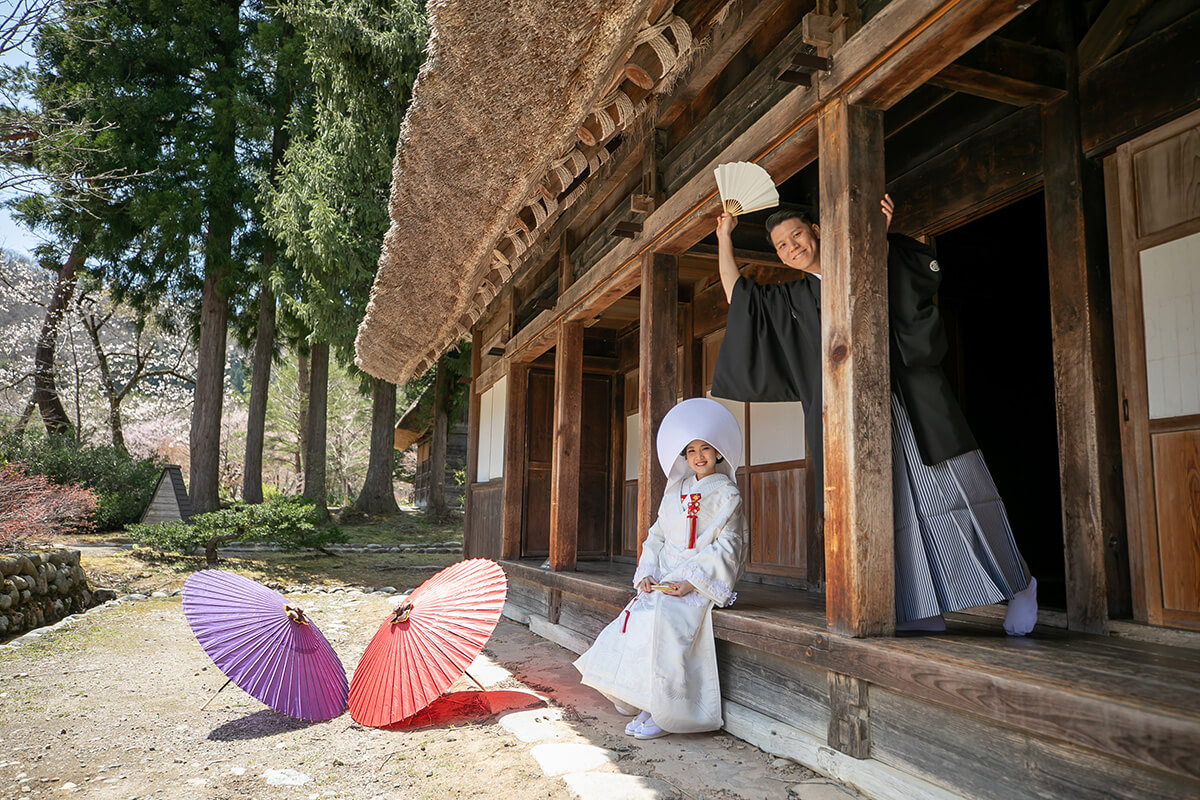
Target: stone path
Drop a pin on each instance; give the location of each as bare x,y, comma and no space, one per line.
581,740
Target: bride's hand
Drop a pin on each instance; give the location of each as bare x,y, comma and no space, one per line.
682,589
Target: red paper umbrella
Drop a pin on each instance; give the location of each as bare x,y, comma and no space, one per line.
427,642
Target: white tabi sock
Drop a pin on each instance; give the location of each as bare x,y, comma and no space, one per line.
1022,610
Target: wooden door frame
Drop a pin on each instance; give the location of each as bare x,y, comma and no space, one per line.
1125,245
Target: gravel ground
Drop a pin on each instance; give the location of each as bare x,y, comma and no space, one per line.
110,706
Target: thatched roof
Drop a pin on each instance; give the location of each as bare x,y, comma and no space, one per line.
495,110
415,421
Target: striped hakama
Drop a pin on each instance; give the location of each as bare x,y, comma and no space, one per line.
954,547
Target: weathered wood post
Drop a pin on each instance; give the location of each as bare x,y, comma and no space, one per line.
564,469
469,544
1084,364
860,583
515,414
658,329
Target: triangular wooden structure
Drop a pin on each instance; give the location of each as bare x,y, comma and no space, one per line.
170,500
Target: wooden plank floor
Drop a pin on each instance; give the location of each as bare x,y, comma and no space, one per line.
1130,699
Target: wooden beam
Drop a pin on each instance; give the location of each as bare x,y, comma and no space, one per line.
656,371
1115,23
564,470
515,414
906,44
992,86
740,256
1141,87
860,595
990,169
742,19
1084,361
761,89
1008,72
782,140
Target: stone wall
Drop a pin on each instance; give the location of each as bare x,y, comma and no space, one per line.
40,588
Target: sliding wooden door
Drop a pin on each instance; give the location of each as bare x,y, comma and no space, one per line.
1153,192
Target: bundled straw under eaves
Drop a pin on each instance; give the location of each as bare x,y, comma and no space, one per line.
505,87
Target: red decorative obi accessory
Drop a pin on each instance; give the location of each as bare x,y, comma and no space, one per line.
693,508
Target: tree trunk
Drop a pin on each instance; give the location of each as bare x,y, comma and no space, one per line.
222,167
314,456
378,495
208,397
302,388
260,379
437,451
107,384
264,340
45,392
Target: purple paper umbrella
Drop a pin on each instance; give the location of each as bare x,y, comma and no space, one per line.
268,648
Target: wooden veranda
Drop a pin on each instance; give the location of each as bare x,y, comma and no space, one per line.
966,713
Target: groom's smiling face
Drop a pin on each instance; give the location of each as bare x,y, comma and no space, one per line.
798,245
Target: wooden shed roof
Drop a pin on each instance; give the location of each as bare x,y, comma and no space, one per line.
490,151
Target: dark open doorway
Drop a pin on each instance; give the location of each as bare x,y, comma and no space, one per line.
995,299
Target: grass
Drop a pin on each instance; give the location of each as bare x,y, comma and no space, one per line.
407,527
142,570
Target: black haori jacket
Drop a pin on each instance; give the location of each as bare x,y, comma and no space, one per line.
771,352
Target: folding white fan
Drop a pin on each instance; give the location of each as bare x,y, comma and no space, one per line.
745,187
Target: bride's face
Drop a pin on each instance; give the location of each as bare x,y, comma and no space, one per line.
701,457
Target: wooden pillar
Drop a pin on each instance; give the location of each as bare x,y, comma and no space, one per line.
437,446
616,458
469,543
564,469
1089,444
691,366
658,328
515,414
860,593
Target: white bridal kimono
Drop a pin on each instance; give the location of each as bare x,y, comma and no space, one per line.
659,654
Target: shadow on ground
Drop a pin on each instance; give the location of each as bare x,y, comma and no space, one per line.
256,726
460,708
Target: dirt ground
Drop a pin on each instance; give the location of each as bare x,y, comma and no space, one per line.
111,706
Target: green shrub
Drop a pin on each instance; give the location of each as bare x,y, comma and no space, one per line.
121,483
289,522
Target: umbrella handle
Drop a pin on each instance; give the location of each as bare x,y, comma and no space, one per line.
401,613
223,685
472,677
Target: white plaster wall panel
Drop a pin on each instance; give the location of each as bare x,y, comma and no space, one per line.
776,432
499,412
483,463
739,413
631,446
1171,315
